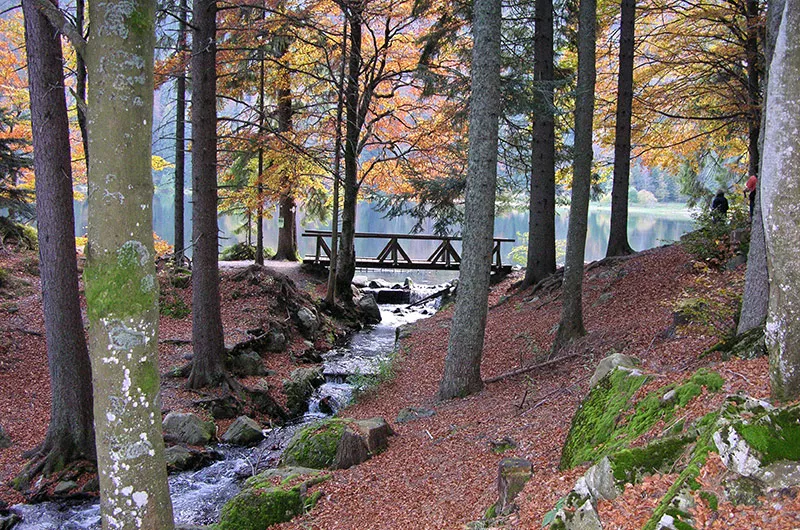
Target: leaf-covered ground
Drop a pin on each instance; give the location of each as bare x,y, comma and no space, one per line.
441,472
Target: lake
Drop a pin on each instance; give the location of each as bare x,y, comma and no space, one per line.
648,227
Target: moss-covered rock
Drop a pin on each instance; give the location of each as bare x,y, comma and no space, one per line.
315,446
256,509
607,421
630,465
299,387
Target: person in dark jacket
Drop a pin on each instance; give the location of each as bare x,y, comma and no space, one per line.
750,191
719,206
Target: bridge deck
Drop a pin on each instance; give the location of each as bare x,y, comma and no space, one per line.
393,256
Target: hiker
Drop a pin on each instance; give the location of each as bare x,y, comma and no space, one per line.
719,206
750,188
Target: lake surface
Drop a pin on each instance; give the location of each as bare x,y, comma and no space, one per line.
648,227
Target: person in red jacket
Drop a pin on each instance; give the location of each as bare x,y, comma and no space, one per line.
750,188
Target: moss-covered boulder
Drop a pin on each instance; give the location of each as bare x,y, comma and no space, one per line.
608,421
336,443
299,387
272,497
188,428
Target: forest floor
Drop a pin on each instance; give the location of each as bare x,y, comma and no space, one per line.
441,472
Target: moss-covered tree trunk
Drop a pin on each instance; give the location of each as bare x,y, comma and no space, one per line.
462,369
208,366
571,324
121,285
780,195
541,260
70,434
618,234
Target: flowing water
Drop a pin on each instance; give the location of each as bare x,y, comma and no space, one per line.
198,496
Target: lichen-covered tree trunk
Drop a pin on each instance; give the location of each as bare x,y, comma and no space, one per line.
780,196
70,434
618,235
120,276
571,324
208,368
755,300
462,369
346,257
541,260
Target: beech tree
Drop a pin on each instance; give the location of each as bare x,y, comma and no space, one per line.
180,138
120,276
571,323
70,434
208,367
755,300
462,369
618,236
541,260
780,193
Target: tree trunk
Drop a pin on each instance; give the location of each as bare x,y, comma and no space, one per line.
462,370
780,193
180,139
120,276
755,300
287,234
70,434
330,294
542,228
80,81
208,367
259,259
753,83
346,261
571,324
618,237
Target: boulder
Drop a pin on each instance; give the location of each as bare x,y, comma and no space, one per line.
246,364
307,322
403,332
599,481
368,306
181,458
615,360
65,487
244,431
584,517
261,503
273,340
7,522
298,389
262,402
188,428
221,408
360,281
513,474
413,413
337,443
378,283
5,439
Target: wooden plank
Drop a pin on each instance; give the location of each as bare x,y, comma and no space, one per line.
373,235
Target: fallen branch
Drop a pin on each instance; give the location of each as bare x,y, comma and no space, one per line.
529,368
22,330
175,341
556,392
429,297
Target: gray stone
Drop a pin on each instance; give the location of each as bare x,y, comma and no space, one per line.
779,475
369,307
286,472
243,431
188,428
308,322
408,283
379,284
375,432
221,408
91,486
583,518
299,387
180,458
615,360
743,490
513,474
600,482
7,522
413,413
64,487
247,364
403,332
360,281
276,341
5,439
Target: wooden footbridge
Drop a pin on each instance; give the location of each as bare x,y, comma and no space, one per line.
394,256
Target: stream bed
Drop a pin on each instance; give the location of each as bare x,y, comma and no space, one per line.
198,496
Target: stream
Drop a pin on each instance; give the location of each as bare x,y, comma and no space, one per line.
198,496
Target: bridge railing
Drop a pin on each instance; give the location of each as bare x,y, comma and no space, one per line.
393,255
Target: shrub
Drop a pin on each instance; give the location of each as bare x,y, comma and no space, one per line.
645,197
243,251
711,241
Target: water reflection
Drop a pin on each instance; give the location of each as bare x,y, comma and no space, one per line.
648,227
